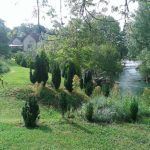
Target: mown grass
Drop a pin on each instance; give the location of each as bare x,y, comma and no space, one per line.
53,133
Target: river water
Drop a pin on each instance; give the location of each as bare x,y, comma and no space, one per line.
130,80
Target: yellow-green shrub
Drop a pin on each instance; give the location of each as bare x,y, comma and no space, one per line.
146,96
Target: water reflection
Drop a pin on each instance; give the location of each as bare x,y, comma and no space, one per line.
130,80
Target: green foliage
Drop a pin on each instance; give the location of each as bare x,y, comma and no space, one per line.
96,91
41,69
76,83
30,112
81,83
70,71
134,109
4,68
4,48
30,63
89,88
87,78
144,68
139,30
63,103
146,96
18,58
56,76
107,59
88,84
23,62
106,90
89,111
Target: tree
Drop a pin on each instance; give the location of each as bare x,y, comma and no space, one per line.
56,76
4,48
88,84
70,71
139,30
41,69
107,59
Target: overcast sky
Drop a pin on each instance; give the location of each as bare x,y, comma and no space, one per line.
15,12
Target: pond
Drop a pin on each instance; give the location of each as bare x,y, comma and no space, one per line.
130,80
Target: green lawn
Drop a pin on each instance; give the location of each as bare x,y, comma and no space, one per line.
54,133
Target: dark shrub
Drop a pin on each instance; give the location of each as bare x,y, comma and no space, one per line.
81,83
56,76
18,59
30,112
89,88
41,69
30,63
87,78
23,62
70,71
89,112
134,109
63,104
106,90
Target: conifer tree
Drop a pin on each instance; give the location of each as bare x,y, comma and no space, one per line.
41,69
56,76
70,71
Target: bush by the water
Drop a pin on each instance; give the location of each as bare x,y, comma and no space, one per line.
4,68
134,109
30,112
108,110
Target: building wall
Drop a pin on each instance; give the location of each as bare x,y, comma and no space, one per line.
28,42
16,42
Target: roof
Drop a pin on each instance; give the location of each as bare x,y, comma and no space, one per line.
19,38
35,36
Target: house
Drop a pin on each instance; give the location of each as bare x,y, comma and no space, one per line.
25,43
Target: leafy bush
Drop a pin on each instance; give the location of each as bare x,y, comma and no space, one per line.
134,109
76,83
23,62
115,93
30,63
146,96
63,103
89,88
4,68
106,90
56,76
96,91
89,111
30,112
41,69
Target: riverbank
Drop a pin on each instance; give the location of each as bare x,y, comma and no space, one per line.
131,80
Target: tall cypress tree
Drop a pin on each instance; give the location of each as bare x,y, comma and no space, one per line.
70,71
56,76
41,69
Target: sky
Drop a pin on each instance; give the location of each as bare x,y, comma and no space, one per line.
16,12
